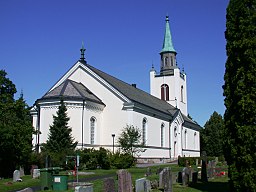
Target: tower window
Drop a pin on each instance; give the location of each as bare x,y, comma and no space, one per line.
165,92
171,61
92,121
165,61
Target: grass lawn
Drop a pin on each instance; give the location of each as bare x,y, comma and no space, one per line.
219,184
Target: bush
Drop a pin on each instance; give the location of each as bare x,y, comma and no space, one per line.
122,161
192,160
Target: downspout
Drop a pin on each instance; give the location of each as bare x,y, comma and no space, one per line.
83,125
38,128
170,153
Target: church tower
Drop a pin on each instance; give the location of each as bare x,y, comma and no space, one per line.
170,84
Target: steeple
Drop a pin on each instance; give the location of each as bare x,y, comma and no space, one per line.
167,44
168,53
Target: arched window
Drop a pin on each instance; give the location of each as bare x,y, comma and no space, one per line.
165,61
165,92
171,61
162,135
181,93
144,130
195,141
185,140
92,126
175,131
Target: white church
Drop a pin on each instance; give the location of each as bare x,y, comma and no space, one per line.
100,106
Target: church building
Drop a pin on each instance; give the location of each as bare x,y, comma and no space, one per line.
100,106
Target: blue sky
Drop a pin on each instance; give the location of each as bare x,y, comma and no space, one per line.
40,41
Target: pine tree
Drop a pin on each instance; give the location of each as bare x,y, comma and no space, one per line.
60,141
240,94
211,137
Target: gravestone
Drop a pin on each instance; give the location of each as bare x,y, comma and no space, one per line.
32,169
84,189
148,173
16,176
22,172
142,185
179,180
36,173
196,162
165,180
26,190
109,185
124,181
185,176
194,177
204,171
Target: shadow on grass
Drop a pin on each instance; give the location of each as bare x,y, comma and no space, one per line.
211,186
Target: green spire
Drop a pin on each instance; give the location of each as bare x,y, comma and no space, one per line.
167,44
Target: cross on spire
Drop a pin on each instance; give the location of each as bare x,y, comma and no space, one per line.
82,50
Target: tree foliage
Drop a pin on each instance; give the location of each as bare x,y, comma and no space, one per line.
130,141
60,141
240,94
15,129
211,137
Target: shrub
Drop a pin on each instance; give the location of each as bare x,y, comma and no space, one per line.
122,161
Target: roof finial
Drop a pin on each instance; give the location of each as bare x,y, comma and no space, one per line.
82,50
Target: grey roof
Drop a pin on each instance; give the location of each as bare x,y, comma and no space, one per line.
71,90
134,94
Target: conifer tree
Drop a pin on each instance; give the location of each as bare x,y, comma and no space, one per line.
240,94
60,141
211,137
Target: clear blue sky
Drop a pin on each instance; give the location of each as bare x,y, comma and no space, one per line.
40,41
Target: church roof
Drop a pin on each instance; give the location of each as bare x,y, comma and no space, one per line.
134,94
72,90
167,44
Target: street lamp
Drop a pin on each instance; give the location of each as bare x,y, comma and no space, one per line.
113,136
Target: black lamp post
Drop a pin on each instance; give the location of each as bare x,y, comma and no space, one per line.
113,136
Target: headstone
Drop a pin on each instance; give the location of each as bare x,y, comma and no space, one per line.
196,162
16,176
165,180
194,177
142,185
179,180
124,181
148,173
22,172
185,176
204,171
32,169
109,185
26,190
36,173
84,189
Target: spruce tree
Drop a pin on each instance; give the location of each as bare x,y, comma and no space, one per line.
211,137
240,94
60,141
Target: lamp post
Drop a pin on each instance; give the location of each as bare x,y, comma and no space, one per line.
113,136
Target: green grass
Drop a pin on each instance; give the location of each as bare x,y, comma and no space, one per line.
219,184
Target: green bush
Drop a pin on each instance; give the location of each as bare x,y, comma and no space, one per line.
122,161
192,160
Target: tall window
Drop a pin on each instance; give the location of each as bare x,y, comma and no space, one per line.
181,93
162,135
171,61
93,122
144,130
166,61
165,92
195,140
185,140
